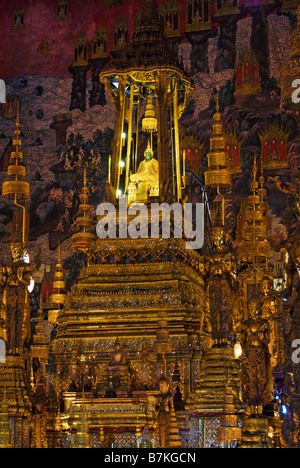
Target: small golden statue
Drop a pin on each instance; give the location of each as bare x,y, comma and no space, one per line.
117,357
118,369
164,399
15,328
164,404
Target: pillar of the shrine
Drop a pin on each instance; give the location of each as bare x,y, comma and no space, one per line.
162,95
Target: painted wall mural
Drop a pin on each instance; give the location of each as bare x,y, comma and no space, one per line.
67,118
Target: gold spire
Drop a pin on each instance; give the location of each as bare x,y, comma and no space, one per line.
254,246
40,348
149,122
254,183
174,437
218,106
218,175
16,189
59,295
83,240
229,432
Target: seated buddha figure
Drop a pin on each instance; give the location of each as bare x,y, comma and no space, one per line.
147,176
118,357
118,368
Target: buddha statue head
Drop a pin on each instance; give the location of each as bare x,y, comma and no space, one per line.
118,357
148,155
164,385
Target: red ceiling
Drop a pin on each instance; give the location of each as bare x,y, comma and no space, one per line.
85,17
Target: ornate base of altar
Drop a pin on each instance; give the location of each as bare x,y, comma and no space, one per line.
205,404
255,433
15,401
107,422
149,281
218,371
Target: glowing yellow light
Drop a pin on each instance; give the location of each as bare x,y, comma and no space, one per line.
237,350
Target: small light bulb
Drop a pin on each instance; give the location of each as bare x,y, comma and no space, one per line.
237,350
26,258
31,286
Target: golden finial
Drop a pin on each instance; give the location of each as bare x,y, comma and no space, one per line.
58,254
254,183
217,115
255,167
58,296
149,148
262,179
218,103
84,177
218,175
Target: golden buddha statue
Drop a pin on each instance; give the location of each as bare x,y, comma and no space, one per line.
15,326
164,399
164,404
257,379
147,176
270,312
117,357
118,369
268,300
220,289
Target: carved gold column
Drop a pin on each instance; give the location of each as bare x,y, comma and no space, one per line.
119,101
163,95
177,143
122,97
129,136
